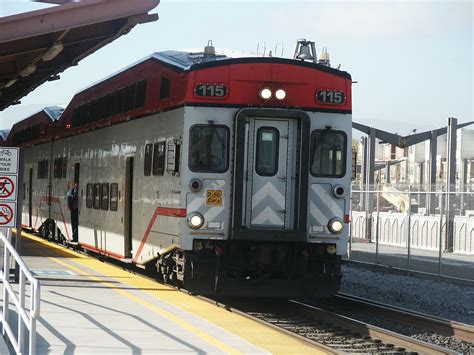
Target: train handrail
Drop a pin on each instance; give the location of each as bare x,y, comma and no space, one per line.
27,316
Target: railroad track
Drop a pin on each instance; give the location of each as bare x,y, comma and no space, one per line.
334,332
441,326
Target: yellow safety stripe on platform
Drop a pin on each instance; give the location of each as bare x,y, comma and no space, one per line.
265,337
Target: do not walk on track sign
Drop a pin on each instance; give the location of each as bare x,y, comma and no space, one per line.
9,163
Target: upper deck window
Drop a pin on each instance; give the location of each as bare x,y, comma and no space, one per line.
209,148
328,153
165,88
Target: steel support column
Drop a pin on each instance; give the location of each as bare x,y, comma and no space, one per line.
432,172
451,182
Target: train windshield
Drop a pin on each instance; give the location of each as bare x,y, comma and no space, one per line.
328,153
209,148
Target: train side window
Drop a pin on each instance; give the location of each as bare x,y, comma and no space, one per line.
159,158
172,155
96,196
56,167
141,93
148,159
64,167
104,201
113,197
165,88
328,153
209,148
120,101
89,190
266,162
42,172
129,97
110,105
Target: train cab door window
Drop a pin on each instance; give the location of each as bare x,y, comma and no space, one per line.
328,153
159,158
114,197
96,196
148,159
165,88
172,155
104,201
268,139
209,148
129,97
89,191
141,93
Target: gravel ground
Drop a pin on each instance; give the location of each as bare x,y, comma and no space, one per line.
438,298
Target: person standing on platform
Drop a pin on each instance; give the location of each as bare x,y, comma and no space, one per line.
73,205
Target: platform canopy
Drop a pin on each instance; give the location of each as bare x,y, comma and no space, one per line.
36,46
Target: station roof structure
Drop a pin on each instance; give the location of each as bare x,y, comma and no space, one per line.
36,46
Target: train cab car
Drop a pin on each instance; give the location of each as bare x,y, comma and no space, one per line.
222,175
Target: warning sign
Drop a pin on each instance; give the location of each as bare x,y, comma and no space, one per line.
9,165
7,214
8,187
214,197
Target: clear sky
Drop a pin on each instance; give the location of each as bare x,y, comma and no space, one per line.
413,61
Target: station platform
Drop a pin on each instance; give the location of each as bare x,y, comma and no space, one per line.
92,307
424,261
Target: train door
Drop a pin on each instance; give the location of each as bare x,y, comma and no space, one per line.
30,199
128,203
270,167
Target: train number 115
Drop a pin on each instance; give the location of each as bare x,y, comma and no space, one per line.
331,97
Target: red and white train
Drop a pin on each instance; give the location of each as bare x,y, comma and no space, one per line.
224,175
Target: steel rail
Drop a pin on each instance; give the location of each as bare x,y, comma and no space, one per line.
442,326
374,332
307,341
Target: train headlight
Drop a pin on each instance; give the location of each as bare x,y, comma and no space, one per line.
331,249
265,94
195,220
280,94
335,226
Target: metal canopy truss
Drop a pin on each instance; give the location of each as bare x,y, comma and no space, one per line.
36,46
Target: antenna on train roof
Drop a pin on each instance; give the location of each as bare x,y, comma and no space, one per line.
305,50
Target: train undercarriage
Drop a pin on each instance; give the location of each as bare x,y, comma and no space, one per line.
253,269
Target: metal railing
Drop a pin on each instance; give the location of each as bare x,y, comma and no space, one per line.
26,315
435,225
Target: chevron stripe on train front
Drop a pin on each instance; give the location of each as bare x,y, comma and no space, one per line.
324,205
267,203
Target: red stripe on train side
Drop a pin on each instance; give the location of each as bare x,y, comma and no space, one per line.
160,211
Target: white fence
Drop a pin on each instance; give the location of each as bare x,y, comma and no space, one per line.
26,315
425,230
